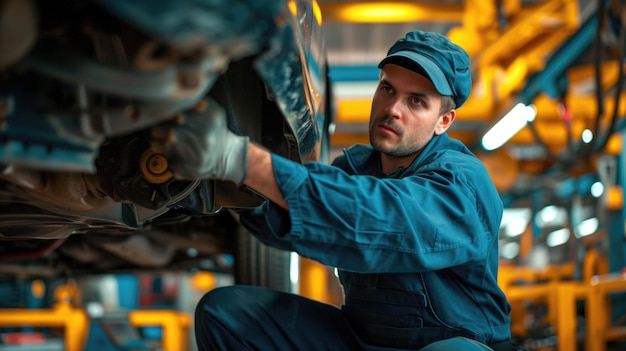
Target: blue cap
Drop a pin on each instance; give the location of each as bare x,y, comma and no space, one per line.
433,55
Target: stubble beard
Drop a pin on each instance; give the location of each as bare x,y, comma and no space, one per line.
402,148
396,151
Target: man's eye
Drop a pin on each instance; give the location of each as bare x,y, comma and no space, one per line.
387,89
416,101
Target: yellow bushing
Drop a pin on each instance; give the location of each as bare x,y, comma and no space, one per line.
154,167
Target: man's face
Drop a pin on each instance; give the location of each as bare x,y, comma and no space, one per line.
405,113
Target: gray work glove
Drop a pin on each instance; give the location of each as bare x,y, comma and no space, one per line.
199,145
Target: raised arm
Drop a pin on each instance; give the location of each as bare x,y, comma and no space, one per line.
260,175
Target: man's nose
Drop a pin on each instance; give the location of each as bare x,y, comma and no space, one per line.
394,107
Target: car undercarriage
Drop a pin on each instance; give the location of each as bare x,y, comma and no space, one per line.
83,84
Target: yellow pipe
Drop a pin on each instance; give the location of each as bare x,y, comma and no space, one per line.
584,107
537,35
530,27
531,61
173,323
480,26
513,79
550,127
583,76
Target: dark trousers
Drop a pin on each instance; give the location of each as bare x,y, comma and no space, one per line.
253,318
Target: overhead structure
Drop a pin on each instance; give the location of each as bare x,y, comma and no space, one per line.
547,54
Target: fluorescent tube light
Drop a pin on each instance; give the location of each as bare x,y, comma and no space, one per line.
558,237
510,250
587,227
508,126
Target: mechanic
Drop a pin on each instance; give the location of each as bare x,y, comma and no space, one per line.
411,223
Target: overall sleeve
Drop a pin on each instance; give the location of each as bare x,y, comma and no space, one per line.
268,223
433,219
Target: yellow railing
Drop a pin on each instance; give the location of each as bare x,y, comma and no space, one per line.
75,321
555,286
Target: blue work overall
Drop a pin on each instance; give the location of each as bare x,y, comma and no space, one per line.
417,252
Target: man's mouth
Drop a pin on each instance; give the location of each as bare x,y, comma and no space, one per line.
387,128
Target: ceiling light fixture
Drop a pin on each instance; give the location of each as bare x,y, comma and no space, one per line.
551,216
558,237
508,126
587,227
597,189
387,12
515,221
587,136
510,250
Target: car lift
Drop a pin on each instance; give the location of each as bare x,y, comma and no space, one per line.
75,321
555,287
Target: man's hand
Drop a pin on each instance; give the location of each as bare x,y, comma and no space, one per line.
199,145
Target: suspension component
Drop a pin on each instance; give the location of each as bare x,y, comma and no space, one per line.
154,167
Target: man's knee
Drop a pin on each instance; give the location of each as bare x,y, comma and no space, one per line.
215,315
221,296
457,343
234,300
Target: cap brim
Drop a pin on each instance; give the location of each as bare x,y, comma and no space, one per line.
432,70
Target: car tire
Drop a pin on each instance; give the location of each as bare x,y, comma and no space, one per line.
260,265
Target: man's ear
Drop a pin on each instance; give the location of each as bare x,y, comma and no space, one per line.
445,122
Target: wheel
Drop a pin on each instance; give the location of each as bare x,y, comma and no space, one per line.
260,265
